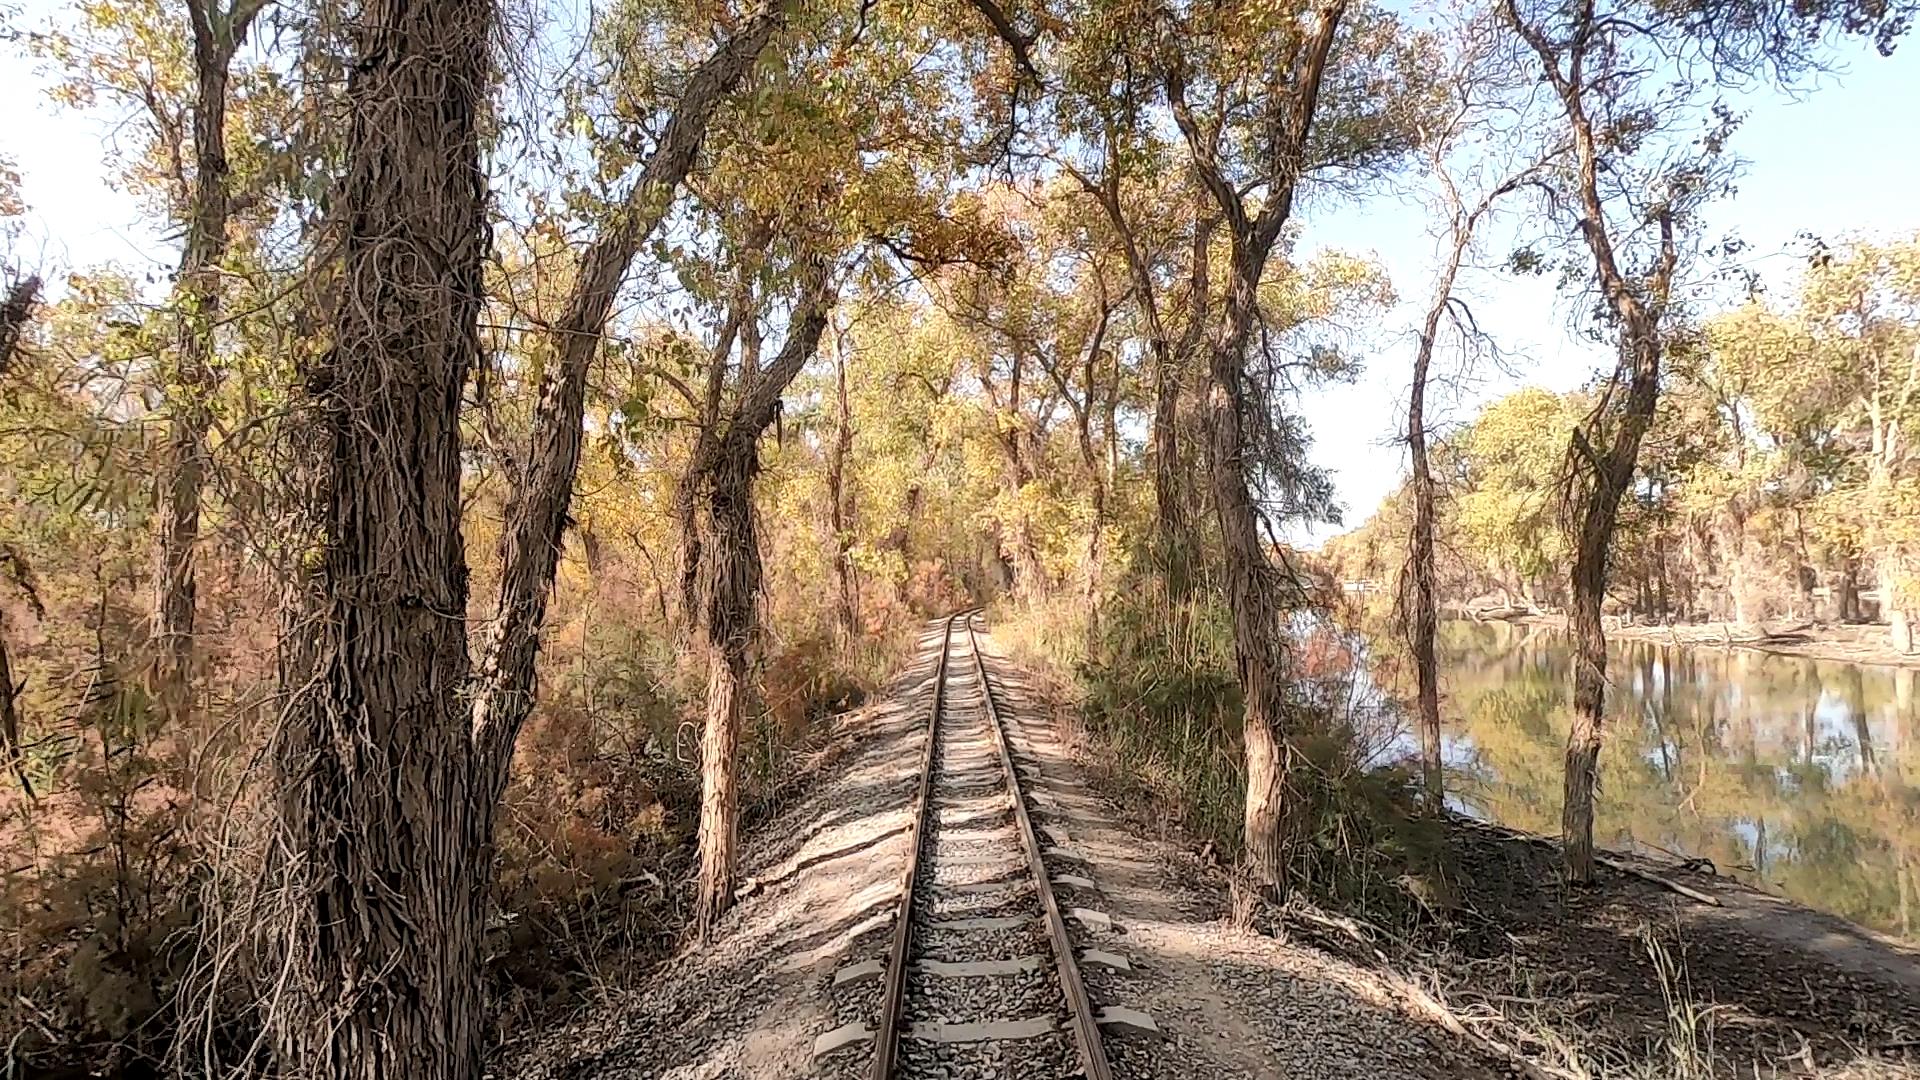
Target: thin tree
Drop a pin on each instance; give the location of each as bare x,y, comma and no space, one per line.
1087,413
218,32
1469,177
537,510
1632,191
1171,353
840,499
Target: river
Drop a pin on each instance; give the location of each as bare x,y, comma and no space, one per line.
1799,776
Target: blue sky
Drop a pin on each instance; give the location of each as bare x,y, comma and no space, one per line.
1844,158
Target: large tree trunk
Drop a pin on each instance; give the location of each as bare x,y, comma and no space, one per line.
1253,588
378,810
192,382
536,514
732,565
722,479
1253,594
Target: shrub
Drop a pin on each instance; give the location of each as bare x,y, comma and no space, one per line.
1159,700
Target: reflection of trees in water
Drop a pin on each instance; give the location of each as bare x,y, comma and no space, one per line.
1796,773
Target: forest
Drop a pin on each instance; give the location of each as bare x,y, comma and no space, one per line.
536,422
1776,477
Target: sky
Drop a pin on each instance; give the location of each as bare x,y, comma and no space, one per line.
1842,158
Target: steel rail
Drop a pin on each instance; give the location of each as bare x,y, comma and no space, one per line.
1086,1029
886,1038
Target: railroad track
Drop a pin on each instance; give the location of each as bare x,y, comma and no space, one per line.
981,978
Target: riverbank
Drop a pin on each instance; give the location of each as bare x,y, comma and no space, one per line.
1675,954
1627,978
1864,643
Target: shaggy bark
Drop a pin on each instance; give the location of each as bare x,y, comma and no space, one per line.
846,591
196,302
687,573
15,312
1252,583
536,515
1422,619
378,809
722,482
13,568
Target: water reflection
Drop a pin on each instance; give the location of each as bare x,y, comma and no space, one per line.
1796,775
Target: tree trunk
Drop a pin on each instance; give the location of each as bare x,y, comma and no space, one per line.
1253,596
1893,605
1605,477
379,824
537,510
1018,547
846,594
732,561
192,383
1422,618
1173,541
10,749
1605,447
15,312
1253,591
723,481
1169,495
1422,610
1847,591
1589,688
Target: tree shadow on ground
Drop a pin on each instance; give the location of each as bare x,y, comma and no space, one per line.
1633,974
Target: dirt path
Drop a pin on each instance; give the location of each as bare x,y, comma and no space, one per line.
821,876
1845,947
